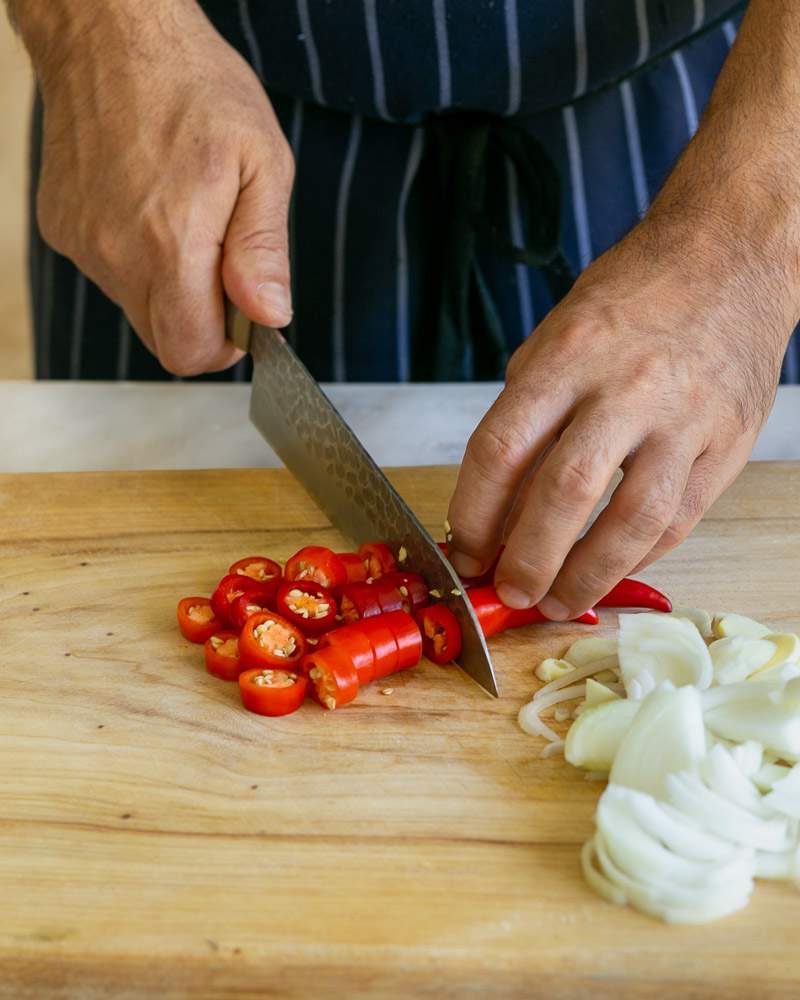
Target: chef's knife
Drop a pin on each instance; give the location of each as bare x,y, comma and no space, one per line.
307,432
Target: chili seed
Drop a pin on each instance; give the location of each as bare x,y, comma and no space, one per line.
437,594
387,691
402,554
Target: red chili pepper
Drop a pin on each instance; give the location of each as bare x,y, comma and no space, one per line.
272,692
315,562
384,645
260,568
196,619
222,656
635,594
441,633
333,675
308,605
407,636
251,603
360,600
378,559
355,643
495,617
232,587
411,586
267,640
354,566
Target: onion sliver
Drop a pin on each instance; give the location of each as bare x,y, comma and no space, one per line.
585,651
688,794
784,797
723,776
737,657
572,678
665,647
595,737
677,831
666,735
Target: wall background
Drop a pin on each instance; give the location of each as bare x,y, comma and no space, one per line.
15,96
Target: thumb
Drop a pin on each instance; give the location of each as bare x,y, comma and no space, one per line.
255,264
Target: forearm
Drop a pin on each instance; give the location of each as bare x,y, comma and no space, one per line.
738,183
54,30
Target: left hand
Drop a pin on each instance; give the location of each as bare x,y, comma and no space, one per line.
664,360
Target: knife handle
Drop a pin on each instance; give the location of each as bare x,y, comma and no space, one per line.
238,328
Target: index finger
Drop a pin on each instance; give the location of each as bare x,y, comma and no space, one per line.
498,456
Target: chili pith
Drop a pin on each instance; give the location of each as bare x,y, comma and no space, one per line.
272,692
222,655
267,640
196,619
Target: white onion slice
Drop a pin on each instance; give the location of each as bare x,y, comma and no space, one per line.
784,797
572,677
737,657
677,831
727,624
723,776
528,717
588,650
665,647
699,617
688,794
599,694
666,735
594,738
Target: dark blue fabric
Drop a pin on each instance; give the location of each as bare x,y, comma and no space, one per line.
360,316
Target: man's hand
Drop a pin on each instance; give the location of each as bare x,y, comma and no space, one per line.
664,358
165,174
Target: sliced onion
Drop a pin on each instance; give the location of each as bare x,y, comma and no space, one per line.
588,650
785,866
594,738
667,735
723,776
699,617
599,694
784,796
775,725
737,657
552,749
677,831
688,794
528,717
727,624
666,647
572,677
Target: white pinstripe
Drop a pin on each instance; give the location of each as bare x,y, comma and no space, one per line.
311,51
403,311
643,27
250,38
76,333
699,14
340,248
123,347
45,332
518,238
514,64
581,54
634,148
578,188
729,31
442,51
687,94
375,58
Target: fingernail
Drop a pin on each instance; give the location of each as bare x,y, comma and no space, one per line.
275,298
465,565
513,597
554,609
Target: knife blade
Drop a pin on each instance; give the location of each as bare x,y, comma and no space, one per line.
313,440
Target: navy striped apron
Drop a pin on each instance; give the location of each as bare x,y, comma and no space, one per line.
610,89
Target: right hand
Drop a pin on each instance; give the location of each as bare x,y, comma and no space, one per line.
165,175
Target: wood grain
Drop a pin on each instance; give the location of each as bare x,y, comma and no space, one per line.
156,840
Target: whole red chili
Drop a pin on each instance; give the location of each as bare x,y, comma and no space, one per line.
635,594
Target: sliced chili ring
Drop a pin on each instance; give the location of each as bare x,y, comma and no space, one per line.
333,675
378,559
384,645
317,563
389,596
222,655
354,641
411,587
441,633
408,637
308,605
267,640
272,692
196,619
259,568
251,603
359,600
229,589
354,566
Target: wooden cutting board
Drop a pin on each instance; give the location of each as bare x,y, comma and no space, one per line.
156,840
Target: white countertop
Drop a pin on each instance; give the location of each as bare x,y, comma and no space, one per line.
77,426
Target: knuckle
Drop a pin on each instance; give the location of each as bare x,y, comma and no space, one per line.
497,449
574,482
648,518
583,585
